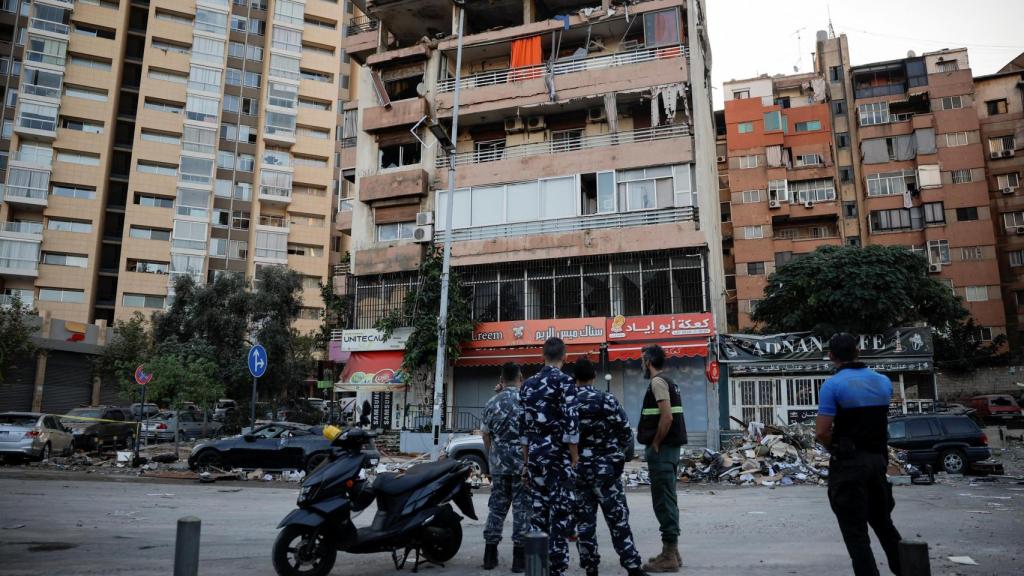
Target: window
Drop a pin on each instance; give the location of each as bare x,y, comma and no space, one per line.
142,301
809,160
967,214
962,176
1013,219
773,121
210,21
873,113
274,183
282,95
289,12
239,23
85,93
808,126
159,137
1011,181
189,235
835,73
272,246
820,190
280,124
81,125
154,201
994,107
314,104
282,66
158,169
225,159
748,162
234,249
951,102
842,140
740,94
752,196
745,127
199,139
1001,144
315,76
398,155
26,183
934,213
202,109
245,51
86,62
310,161
196,170
849,210
968,253
891,183
896,219
839,107
171,47
947,66
726,211
61,295
175,77
565,140
661,28
395,231
938,251
44,83
173,17
159,106
277,157
34,153
1016,261
306,250
207,50
70,260
753,232
77,226
204,79
976,293
778,190
70,191
755,268
36,116
48,51
286,39
846,174
956,139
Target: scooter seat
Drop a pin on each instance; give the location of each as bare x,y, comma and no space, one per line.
393,483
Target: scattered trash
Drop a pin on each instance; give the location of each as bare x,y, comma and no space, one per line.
268,478
124,455
966,560
293,475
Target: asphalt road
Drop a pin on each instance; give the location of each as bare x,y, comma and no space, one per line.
75,526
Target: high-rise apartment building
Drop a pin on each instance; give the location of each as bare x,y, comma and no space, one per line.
154,139
889,153
586,201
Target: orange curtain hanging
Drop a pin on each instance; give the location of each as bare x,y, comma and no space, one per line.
525,52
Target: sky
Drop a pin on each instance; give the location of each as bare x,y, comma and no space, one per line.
753,37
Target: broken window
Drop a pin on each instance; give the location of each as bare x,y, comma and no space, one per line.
597,193
398,155
661,28
399,82
566,140
993,107
489,150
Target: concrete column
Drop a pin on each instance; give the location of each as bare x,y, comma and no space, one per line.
97,384
37,392
530,11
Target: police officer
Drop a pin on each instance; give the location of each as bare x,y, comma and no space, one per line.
500,428
852,422
549,429
604,438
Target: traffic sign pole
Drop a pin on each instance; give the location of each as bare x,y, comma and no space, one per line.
257,361
252,421
141,378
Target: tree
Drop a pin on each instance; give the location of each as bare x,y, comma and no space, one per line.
337,311
184,372
961,349
276,305
16,330
420,310
130,347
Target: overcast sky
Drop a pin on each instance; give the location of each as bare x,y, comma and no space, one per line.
752,37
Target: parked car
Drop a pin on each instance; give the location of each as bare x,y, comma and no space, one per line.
274,446
319,404
116,427
189,424
996,407
297,411
470,449
950,442
149,411
33,435
225,407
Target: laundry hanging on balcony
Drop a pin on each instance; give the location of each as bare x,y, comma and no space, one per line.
669,95
526,53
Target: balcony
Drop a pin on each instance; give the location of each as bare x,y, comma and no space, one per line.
343,221
400,113
275,195
362,24
27,188
361,38
574,224
27,297
56,28
395,183
274,223
22,230
19,258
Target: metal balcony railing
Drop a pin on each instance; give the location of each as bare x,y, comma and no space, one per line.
49,26
22,227
361,24
567,145
574,224
508,76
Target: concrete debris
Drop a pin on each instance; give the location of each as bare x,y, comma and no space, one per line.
293,475
965,560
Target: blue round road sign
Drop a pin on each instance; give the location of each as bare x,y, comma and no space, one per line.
257,361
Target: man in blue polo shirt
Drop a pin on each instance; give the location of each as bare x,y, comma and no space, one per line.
853,418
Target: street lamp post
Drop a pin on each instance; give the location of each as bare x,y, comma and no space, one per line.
442,317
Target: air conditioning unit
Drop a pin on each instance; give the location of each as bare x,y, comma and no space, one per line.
1007,153
995,155
535,123
808,204
423,234
1020,230
514,124
1008,190
774,204
934,268
424,218
721,159
597,114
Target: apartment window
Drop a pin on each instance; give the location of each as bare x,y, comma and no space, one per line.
934,213
395,231
289,12
846,174
70,260
778,190
61,225
839,107
245,51
207,50
755,268
748,162
286,39
238,133
69,191
34,154
42,83
232,103
282,66
808,160
159,106
142,301
282,95
891,183
202,109
277,157
12,98
233,77
896,219
199,139
774,121
962,176
951,102
726,210
25,183
740,94
873,113
275,183
167,76
808,126
204,79
65,295
1016,261
315,76
314,104
994,107
196,170
820,190
842,140
661,28
967,214
172,17
171,47
968,253
47,51
938,251
35,116
159,137
234,249
246,163
984,334
210,21
753,232
1001,144
274,246
154,201
189,235
976,293
1010,180
1013,220
835,73
753,196
239,23
745,127
956,139
313,161
192,203
146,266
307,250
146,233
947,66
85,93
158,169
850,210
225,159
398,155
81,125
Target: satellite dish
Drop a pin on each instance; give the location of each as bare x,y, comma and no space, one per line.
421,89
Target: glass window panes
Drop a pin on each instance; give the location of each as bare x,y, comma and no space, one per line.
287,39
61,295
196,170
207,50
210,21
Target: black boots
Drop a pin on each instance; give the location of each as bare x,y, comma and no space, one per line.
591,571
490,557
518,560
636,572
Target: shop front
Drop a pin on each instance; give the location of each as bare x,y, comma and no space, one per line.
373,376
776,379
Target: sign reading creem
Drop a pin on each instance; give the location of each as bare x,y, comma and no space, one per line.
535,332
663,327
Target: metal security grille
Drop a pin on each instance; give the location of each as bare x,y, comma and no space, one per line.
376,297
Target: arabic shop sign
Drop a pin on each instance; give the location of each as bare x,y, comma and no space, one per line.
665,327
908,345
364,340
535,332
827,367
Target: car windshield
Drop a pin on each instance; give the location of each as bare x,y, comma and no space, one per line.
1002,401
271,431
225,404
18,420
164,416
86,412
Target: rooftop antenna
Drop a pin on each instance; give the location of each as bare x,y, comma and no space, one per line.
799,49
831,30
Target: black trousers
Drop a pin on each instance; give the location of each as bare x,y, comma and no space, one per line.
861,496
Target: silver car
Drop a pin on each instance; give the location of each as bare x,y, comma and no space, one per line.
33,435
189,425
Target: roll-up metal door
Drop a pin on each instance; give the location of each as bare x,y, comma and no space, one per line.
110,393
68,382
19,381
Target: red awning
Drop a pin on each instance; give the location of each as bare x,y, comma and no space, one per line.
521,355
374,371
686,349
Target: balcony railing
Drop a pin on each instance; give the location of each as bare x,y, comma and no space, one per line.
276,193
341,270
49,26
26,297
22,227
511,75
361,24
274,221
12,192
567,145
574,224
20,264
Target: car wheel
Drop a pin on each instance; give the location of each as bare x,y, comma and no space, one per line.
45,454
476,462
209,459
953,462
315,461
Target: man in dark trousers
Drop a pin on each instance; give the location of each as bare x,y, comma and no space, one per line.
853,416
550,431
663,430
604,438
500,430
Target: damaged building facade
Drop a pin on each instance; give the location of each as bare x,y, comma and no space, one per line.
586,194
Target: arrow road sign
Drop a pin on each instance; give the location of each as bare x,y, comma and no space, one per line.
257,361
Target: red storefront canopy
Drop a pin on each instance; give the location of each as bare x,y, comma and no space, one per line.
375,371
685,349
521,355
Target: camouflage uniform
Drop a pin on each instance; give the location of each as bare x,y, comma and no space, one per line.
604,437
548,423
505,460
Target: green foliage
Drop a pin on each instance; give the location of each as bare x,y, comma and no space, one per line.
184,372
337,312
275,307
131,345
420,311
16,332
960,348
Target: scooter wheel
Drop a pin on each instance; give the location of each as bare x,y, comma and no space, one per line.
302,551
441,543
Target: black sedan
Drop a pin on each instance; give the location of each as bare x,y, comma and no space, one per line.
276,446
